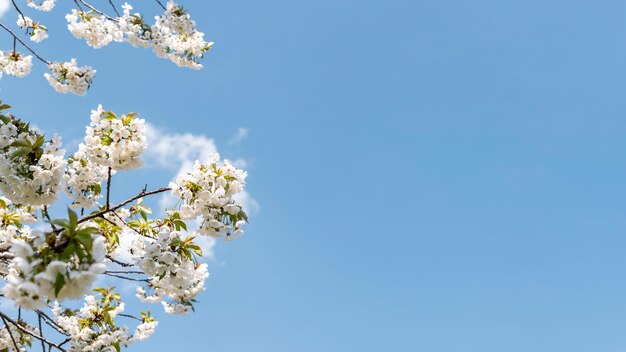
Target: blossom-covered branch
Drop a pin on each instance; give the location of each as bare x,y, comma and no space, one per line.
173,36
58,260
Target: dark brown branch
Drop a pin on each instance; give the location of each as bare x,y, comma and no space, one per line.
6,325
18,10
23,329
124,272
47,216
125,265
98,11
108,189
140,195
50,322
130,316
127,278
161,4
43,345
114,8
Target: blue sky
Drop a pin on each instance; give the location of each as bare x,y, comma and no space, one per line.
432,175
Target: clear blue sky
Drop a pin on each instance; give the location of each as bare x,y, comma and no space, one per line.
432,175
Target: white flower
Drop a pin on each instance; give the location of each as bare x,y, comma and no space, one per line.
115,142
68,77
36,31
207,192
174,36
96,29
15,64
26,179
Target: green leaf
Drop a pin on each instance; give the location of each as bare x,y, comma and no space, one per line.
73,218
61,222
86,240
20,152
21,143
58,283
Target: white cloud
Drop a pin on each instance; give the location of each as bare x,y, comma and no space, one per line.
177,150
4,7
241,134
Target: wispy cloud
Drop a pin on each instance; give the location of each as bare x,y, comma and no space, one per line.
4,7
241,134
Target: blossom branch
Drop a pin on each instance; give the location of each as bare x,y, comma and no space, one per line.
6,318
98,11
106,211
24,44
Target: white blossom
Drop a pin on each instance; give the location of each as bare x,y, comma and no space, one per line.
207,192
174,36
174,276
115,142
36,31
68,77
15,64
83,179
96,29
31,169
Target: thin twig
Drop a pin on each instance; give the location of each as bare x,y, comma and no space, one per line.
140,195
98,11
49,321
24,44
127,278
161,4
114,8
47,216
43,345
108,189
129,316
19,11
124,272
125,265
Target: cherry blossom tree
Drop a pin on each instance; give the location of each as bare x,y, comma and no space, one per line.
50,266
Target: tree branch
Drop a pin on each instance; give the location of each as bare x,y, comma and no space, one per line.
108,188
23,329
24,44
106,211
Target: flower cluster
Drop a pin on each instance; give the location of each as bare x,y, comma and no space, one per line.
68,77
116,142
96,29
12,220
83,179
174,274
16,64
36,31
93,327
207,192
172,36
175,37
134,29
46,5
31,168
60,260
56,267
